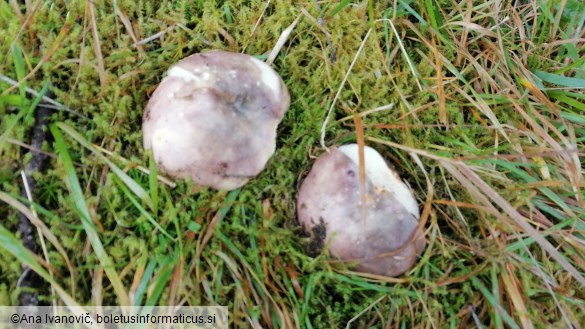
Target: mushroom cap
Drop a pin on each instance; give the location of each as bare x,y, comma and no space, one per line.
382,237
213,118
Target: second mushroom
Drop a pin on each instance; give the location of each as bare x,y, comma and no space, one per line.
371,224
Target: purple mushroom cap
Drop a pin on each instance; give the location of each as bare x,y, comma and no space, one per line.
378,233
213,118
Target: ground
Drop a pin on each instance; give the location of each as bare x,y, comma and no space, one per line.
477,104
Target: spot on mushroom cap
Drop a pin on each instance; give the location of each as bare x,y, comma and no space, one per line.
213,118
383,241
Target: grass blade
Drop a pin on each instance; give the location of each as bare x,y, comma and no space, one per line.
15,247
132,185
340,6
143,211
47,233
560,80
81,207
19,67
495,304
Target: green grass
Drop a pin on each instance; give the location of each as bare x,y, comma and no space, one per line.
479,107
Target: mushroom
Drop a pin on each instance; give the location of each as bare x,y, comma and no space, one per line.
213,118
373,226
